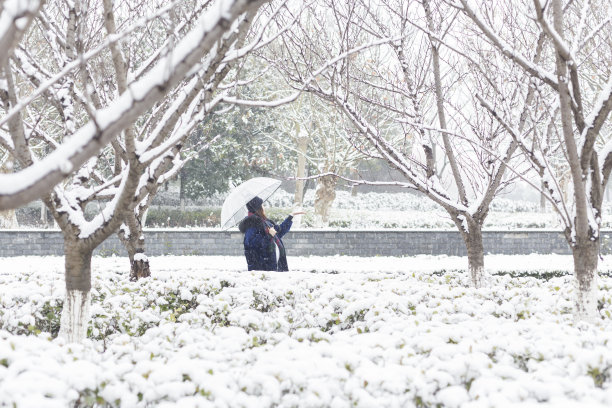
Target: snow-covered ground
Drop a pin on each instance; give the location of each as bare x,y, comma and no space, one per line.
334,332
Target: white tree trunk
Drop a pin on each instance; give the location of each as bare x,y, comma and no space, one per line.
542,198
585,283
8,219
75,315
298,201
585,302
43,213
324,198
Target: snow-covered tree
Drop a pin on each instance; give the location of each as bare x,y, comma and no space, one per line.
409,103
242,153
125,74
316,131
574,86
50,80
182,116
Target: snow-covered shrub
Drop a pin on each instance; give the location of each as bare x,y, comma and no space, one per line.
336,331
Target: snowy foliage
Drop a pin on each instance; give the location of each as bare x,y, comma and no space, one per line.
335,332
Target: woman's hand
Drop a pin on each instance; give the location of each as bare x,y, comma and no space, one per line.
272,231
297,212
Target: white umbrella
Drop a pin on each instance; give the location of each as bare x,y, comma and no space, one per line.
234,207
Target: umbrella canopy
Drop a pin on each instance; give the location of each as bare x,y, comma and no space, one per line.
234,206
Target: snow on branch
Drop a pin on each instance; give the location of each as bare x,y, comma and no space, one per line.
312,78
258,41
36,180
429,185
553,190
45,84
14,21
356,182
560,45
507,49
599,113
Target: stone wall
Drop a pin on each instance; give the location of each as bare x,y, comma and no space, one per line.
304,242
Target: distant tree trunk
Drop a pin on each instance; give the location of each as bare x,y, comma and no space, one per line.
324,198
75,313
182,180
302,147
354,187
43,213
542,198
143,220
8,218
132,237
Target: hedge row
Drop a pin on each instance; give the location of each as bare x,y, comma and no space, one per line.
203,217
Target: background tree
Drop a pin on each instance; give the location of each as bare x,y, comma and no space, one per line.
241,153
317,133
8,218
398,87
574,86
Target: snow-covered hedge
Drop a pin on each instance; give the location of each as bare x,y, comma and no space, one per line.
367,332
396,210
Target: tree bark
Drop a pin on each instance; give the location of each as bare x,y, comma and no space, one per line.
324,197
302,147
475,250
43,214
182,181
542,197
75,313
134,242
8,218
585,253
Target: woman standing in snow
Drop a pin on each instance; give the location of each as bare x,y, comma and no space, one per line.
263,247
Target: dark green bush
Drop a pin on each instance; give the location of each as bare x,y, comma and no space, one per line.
174,217
203,217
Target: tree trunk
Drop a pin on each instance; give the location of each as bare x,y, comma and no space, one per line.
475,251
43,214
324,197
354,186
139,263
542,198
132,238
75,313
585,253
8,218
302,146
182,180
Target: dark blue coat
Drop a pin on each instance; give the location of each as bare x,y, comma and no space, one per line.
259,246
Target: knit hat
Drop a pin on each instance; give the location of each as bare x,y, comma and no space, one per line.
254,204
